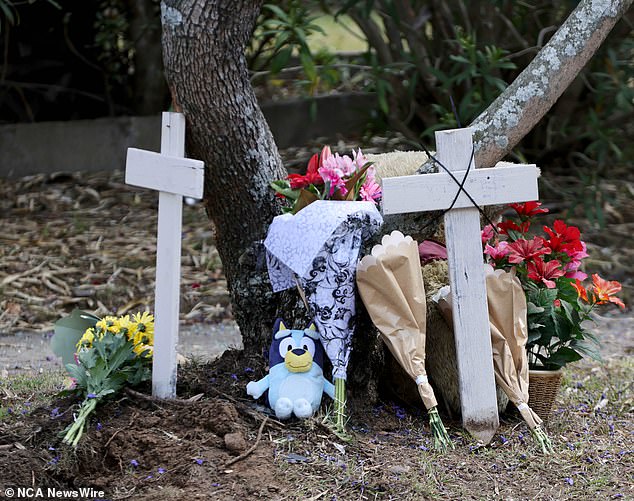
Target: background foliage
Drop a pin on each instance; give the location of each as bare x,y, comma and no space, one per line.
432,64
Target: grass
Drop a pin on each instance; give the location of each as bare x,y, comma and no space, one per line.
21,393
593,457
341,35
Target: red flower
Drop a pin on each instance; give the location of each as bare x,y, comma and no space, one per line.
505,226
539,271
526,250
312,175
528,209
581,290
604,290
563,238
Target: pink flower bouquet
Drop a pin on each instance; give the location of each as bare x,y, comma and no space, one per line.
330,177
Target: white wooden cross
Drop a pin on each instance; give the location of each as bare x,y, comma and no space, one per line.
174,177
502,184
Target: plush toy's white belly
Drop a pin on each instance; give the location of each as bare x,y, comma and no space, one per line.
307,385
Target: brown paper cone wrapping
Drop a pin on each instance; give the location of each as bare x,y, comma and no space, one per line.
391,287
509,332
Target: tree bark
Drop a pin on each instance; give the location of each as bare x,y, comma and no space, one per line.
203,45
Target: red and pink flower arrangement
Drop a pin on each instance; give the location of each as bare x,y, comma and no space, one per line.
548,266
330,177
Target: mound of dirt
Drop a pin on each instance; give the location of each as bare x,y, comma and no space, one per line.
189,447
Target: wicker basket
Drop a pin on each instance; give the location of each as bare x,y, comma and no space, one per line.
542,390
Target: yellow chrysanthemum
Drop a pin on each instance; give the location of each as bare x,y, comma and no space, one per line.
87,339
145,324
127,326
140,348
141,337
109,323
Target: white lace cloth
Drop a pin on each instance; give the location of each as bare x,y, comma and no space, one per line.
294,240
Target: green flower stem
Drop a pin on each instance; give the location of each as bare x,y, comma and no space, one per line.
442,442
340,404
541,437
76,430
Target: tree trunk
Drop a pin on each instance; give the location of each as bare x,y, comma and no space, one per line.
203,44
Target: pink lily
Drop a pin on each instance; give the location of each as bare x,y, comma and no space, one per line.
498,252
525,250
487,233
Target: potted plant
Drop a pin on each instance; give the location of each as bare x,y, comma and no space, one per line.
559,303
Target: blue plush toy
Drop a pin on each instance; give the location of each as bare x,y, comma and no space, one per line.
295,380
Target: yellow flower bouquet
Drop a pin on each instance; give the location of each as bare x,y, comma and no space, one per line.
115,352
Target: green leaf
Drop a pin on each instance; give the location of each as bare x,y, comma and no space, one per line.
351,183
586,349
281,59
533,335
308,64
571,315
78,373
381,90
278,12
563,356
68,332
533,309
8,12
283,187
515,235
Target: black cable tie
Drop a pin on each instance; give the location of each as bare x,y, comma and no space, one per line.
460,188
